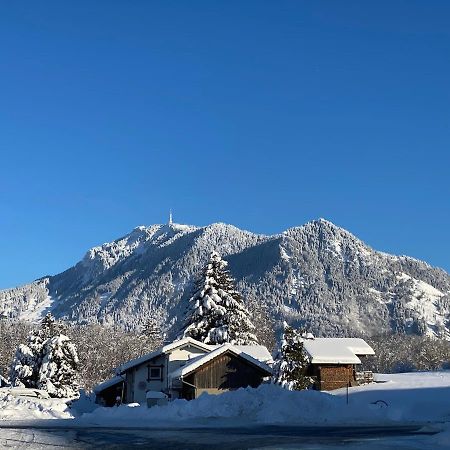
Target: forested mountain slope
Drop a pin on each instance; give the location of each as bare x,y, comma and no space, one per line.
318,275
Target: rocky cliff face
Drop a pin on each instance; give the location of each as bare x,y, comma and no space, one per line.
317,275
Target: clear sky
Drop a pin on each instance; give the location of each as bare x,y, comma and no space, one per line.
261,114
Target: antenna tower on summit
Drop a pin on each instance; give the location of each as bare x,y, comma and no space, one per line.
170,217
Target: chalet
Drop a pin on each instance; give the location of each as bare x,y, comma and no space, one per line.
185,369
333,361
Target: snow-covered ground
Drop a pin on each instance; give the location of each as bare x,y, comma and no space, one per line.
28,408
420,397
396,399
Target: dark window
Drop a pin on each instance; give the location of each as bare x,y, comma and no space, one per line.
154,372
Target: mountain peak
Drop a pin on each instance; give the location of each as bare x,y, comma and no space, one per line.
324,223
327,227
179,226
316,224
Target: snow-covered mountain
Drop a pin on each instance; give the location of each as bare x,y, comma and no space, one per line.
318,275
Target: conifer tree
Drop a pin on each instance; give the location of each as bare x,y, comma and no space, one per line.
57,374
217,312
291,363
47,361
24,370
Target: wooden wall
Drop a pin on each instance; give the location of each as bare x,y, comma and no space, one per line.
225,372
329,377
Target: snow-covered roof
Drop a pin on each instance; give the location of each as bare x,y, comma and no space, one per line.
258,352
162,350
108,383
358,346
201,360
336,350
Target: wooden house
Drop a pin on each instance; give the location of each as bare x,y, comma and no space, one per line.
225,368
185,369
333,361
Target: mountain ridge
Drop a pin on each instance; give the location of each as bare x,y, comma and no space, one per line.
316,275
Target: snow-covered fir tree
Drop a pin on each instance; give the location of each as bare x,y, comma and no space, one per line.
24,370
47,361
217,312
58,371
291,362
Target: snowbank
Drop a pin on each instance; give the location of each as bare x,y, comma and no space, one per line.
266,404
402,398
27,408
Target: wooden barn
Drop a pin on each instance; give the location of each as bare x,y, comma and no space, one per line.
334,361
224,369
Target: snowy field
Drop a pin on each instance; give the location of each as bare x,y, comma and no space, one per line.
396,400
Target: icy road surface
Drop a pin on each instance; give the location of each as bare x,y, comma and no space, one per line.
262,437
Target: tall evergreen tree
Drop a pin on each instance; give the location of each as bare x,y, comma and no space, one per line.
24,371
57,374
217,312
291,362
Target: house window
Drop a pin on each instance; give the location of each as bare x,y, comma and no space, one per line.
155,373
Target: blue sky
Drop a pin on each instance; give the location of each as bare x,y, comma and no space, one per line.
261,114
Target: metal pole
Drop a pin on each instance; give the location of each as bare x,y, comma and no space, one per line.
122,400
